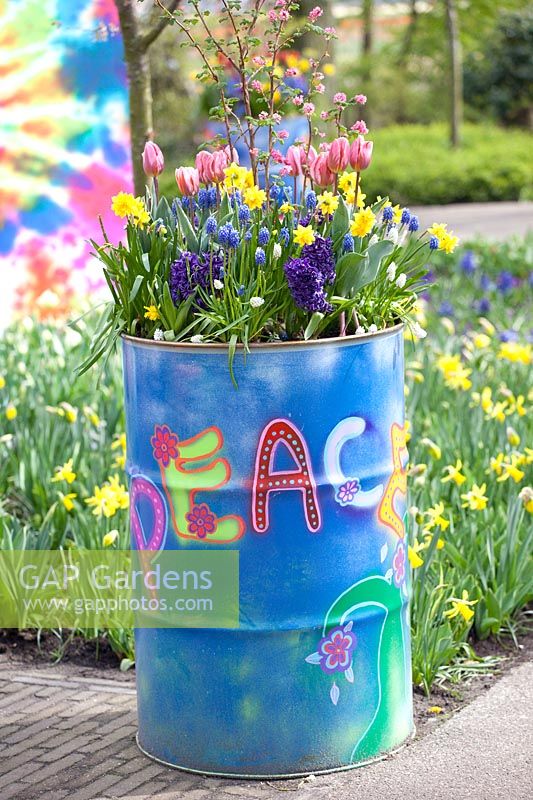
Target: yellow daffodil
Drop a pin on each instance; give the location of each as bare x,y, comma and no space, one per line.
528,455
448,242
438,229
238,178
11,412
329,69
435,710
65,473
498,411
509,469
363,222
428,538
487,326
459,379
303,235
496,463
516,405
286,208
151,313
110,538
435,518
512,437
254,197
516,352
2,382
526,496
350,198
69,412
327,202
475,499
68,500
448,325
448,363
124,204
347,182
433,448
412,554
461,607
453,473
119,444
109,498
481,341
91,415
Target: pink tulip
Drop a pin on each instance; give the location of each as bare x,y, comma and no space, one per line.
293,159
360,153
204,165
231,154
188,180
339,154
220,162
153,160
320,172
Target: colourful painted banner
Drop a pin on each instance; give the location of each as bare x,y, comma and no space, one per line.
64,147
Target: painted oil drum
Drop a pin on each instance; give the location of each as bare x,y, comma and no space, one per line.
317,676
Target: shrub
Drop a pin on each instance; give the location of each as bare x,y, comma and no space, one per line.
417,165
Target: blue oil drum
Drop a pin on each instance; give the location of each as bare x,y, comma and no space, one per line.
302,470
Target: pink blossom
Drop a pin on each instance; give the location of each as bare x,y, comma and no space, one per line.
188,180
284,171
360,98
315,13
259,61
360,127
263,115
256,86
277,118
308,109
231,154
284,16
254,151
324,115
319,171
318,76
339,155
272,15
324,147
330,31
276,156
283,135
339,98
298,100
320,88
292,72
360,154
153,161
280,3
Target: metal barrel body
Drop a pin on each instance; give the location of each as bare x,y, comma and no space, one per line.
311,492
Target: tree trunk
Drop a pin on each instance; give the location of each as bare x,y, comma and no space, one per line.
368,27
140,89
409,36
456,73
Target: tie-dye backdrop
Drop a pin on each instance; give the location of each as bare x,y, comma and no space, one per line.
64,147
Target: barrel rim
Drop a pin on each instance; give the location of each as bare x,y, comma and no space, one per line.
223,347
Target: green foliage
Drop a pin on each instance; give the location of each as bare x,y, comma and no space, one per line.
415,164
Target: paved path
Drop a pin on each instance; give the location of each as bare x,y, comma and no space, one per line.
63,737
489,220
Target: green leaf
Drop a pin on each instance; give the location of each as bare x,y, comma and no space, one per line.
376,252
348,268
341,222
136,286
187,229
313,324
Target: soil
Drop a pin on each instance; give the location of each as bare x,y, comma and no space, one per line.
96,659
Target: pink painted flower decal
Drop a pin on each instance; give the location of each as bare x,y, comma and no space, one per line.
346,493
398,564
165,444
334,654
201,521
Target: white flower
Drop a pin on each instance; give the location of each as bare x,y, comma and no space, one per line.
276,250
373,239
158,335
418,330
256,302
400,280
391,271
373,329
197,338
392,234
360,331
218,284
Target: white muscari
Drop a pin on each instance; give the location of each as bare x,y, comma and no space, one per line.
392,235
276,251
197,338
391,271
256,302
158,335
400,280
218,284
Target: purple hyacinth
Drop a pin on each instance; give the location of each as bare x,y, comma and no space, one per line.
191,271
306,284
468,262
320,255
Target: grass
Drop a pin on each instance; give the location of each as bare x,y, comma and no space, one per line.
474,314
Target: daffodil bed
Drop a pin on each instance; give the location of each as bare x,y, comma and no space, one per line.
62,451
